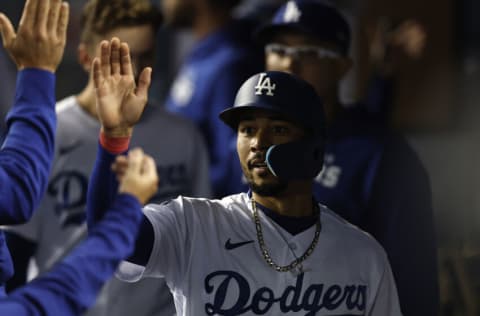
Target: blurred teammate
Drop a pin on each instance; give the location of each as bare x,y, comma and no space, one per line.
181,159
27,151
272,251
71,286
221,59
371,177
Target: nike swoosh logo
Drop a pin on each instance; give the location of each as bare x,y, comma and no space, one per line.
230,246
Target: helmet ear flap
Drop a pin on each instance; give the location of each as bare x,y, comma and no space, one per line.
299,160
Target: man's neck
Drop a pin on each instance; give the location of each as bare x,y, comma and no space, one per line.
86,100
296,203
332,107
209,21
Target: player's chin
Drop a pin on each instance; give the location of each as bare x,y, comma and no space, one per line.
260,179
268,187
265,182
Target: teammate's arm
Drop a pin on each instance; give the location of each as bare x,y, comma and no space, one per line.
73,284
101,190
27,152
120,104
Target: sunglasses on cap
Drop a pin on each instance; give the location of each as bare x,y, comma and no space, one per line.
303,51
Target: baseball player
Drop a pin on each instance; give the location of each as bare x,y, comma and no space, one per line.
223,56
372,177
27,151
273,250
71,286
181,158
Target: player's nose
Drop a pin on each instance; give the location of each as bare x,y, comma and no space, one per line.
261,141
287,63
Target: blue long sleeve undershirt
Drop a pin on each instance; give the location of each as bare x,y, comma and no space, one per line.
27,151
26,154
101,191
72,285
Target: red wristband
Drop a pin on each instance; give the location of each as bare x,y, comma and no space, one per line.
114,145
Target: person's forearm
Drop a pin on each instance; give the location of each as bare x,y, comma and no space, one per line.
27,152
102,187
72,285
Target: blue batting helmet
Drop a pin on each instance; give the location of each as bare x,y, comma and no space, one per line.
297,101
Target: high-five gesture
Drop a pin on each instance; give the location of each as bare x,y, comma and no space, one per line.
41,35
120,102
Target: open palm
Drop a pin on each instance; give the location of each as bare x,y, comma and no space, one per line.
41,35
120,102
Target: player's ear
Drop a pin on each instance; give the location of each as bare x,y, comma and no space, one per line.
84,58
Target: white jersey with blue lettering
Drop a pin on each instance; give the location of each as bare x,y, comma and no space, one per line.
209,254
59,224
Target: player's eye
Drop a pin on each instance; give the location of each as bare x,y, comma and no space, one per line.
246,130
276,49
281,129
307,52
315,52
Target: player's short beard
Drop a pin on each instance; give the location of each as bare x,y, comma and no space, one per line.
273,189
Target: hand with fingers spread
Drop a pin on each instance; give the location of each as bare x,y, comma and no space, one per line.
137,175
120,102
41,35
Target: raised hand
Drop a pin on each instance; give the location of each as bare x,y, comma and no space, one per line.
410,36
138,175
119,102
41,35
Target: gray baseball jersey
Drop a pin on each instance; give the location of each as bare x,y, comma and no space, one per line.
59,224
209,254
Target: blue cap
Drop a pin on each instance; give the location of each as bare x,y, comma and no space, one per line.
317,19
282,93
296,101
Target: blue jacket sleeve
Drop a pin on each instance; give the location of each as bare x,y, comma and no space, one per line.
401,218
27,152
101,191
102,187
72,285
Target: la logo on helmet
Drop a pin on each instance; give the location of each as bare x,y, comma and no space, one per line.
292,13
264,84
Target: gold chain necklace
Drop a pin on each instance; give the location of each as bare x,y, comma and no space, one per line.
297,263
